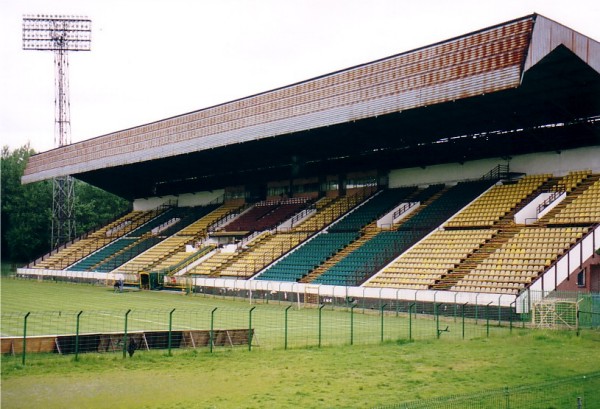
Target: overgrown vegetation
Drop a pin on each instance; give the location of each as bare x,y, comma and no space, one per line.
27,209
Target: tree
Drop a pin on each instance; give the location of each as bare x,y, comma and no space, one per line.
95,207
27,209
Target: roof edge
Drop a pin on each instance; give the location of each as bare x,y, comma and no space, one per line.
547,34
448,40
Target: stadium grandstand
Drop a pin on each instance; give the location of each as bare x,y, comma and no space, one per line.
466,170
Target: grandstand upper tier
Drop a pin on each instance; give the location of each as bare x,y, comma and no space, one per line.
525,86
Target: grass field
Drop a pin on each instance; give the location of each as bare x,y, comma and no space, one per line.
342,376
54,309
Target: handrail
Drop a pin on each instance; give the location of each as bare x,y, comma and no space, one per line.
555,195
217,200
592,230
406,207
497,172
226,217
185,262
249,238
302,214
290,200
153,213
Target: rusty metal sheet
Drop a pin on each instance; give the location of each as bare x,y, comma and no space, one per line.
548,34
481,62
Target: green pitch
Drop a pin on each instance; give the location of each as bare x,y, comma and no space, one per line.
366,374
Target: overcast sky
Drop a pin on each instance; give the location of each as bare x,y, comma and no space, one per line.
152,59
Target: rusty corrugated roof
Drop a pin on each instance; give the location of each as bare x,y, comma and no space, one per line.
479,63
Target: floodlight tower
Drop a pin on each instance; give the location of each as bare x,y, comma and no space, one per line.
60,34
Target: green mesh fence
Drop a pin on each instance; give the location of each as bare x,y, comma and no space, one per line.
270,326
579,392
276,320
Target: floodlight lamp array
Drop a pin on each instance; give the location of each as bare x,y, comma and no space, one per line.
57,32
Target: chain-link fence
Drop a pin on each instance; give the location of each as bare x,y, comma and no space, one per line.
281,320
269,326
579,392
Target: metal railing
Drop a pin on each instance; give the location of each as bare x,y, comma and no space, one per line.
581,392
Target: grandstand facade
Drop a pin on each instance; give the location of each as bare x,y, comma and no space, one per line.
465,170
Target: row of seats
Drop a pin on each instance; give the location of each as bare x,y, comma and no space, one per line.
260,255
522,258
308,256
212,264
367,259
264,216
96,240
179,259
194,231
88,263
123,250
360,264
452,200
118,259
376,251
327,211
453,247
572,180
508,269
154,255
497,202
260,252
199,228
584,209
372,209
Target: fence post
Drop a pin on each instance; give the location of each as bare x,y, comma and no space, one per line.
437,319
382,308
463,319
212,335
125,335
523,309
476,309
320,320
410,307
250,328
24,338
170,329
499,312
510,315
455,307
487,319
352,324
286,326
77,337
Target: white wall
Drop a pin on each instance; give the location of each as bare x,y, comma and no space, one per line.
185,200
200,198
152,202
567,265
558,164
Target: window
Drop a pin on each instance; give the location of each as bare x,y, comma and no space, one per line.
581,279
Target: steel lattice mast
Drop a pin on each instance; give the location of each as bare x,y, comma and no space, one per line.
60,34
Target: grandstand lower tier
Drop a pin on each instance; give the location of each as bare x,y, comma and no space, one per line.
487,236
